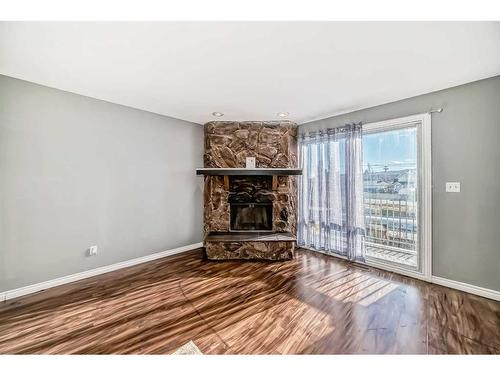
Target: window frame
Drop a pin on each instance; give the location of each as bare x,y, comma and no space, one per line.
424,162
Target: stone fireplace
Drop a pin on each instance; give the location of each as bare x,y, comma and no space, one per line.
250,213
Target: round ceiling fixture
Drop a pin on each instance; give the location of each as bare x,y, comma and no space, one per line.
282,114
217,114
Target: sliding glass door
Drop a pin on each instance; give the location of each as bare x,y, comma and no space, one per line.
396,194
390,186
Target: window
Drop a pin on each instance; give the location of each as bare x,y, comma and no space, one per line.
397,194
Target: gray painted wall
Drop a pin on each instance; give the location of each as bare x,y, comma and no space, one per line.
465,148
76,171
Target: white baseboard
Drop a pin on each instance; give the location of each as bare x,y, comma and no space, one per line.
9,294
483,292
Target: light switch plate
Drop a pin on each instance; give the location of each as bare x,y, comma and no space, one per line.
453,187
250,162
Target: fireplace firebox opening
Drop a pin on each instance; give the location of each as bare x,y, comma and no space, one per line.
251,203
251,216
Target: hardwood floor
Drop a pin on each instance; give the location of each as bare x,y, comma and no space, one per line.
312,304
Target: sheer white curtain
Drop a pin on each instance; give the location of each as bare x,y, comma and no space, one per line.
331,217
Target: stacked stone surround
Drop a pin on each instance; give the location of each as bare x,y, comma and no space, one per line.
274,145
250,250
227,144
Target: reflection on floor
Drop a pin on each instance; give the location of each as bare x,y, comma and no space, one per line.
312,304
391,254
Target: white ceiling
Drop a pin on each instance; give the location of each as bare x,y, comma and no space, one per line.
250,70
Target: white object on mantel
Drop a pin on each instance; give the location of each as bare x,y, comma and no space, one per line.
250,162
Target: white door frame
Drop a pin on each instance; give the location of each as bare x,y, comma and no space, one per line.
423,124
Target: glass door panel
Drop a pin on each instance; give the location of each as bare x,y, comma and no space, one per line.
390,177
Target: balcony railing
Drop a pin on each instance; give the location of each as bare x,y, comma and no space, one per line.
391,229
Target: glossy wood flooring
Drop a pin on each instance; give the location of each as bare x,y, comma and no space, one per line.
312,304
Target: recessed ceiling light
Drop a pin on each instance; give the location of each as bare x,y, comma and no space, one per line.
217,114
282,114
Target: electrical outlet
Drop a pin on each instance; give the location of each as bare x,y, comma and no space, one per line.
453,187
92,251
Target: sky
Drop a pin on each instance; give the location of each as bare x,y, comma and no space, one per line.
396,148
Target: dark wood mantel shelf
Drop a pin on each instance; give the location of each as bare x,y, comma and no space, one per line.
249,171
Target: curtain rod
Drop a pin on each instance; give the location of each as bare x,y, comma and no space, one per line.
439,110
431,111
